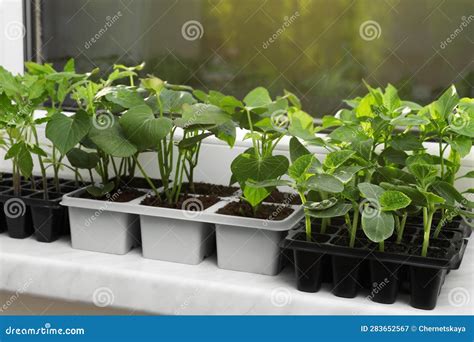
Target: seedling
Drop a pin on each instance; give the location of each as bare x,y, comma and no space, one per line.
19,97
268,121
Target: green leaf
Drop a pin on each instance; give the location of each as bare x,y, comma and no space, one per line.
462,122
268,183
21,155
390,98
226,132
390,174
297,149
125,97
444,106
411,192
425,173
432,198
450,194
337,158
295,101
370,191
173,101
394,200
301,125
346,173
66,132
112,141
82,159
406,142
392,156
248,166
470,174
410,120
348,134
340,209
257,98
153,83
331,121
304,166
193,141
377,225
98,192
325,182
255,196
462,145
322,205
143,129
202,114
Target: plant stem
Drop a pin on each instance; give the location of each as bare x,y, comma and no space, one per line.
355,223
427,220
41,164
324,224
254,142
438,228
307,218
382,246
402,227
150,183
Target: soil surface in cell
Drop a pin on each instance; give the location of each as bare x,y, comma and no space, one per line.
265,211
120,196
209,189
283,197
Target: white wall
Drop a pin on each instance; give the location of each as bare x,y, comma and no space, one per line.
12,33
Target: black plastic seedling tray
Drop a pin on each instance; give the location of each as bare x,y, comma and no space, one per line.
31,213
382,273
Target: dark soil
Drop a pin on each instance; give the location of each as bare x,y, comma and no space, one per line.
343,241
315,237
51,196
210,189
120,196
265,211
185,202
283,197
433,252
441,243
395,248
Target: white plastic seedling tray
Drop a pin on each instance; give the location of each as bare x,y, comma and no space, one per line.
183,236
208,215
